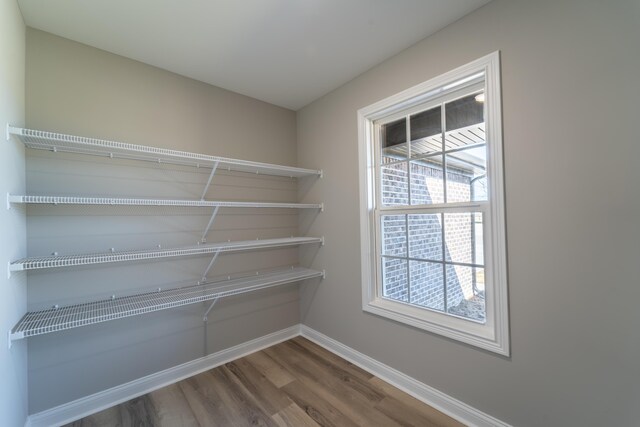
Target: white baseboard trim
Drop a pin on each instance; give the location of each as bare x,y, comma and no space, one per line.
444,403
84,406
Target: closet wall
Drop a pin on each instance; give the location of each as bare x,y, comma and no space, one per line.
76,89
570,97
13,292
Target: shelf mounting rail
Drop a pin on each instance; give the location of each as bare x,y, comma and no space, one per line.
73,316
52,141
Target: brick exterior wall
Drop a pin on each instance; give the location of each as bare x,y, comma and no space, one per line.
424,231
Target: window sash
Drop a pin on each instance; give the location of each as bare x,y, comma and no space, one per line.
378,238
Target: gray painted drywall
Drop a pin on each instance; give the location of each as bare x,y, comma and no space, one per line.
73,88
570,113
13,291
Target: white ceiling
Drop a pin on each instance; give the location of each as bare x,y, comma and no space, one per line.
286,52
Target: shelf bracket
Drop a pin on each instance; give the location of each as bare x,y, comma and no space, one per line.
12,130
206,187
206,313
213,261
12,336
206,230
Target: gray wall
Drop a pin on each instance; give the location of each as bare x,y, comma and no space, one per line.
72,88
570,117
13,291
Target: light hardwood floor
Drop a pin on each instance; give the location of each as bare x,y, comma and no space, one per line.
295,383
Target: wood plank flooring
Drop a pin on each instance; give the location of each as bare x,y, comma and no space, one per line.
295,383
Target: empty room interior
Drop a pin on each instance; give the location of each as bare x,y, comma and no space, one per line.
320,213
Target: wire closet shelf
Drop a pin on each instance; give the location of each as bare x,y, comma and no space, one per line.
100,147
53,261
116,201
74,316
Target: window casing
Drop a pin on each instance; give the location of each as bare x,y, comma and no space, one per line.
432,204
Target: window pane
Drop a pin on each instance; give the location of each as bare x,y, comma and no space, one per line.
460,237
395,184
466,175
394,279
393,137
427,284
465,292
394,235
425,236
426,132
427,185
465,128
461,115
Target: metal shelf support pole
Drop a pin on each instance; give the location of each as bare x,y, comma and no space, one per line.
213,261
205,318
206,187
206,230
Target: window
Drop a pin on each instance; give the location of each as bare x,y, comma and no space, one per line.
432,203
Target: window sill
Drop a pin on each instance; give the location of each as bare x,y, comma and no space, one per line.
480,335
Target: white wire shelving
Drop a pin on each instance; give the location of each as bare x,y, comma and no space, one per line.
59,319
99,147
116,201
53,261
73,316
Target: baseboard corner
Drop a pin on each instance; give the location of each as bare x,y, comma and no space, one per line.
446,404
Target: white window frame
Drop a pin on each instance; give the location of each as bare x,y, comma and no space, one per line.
493,335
